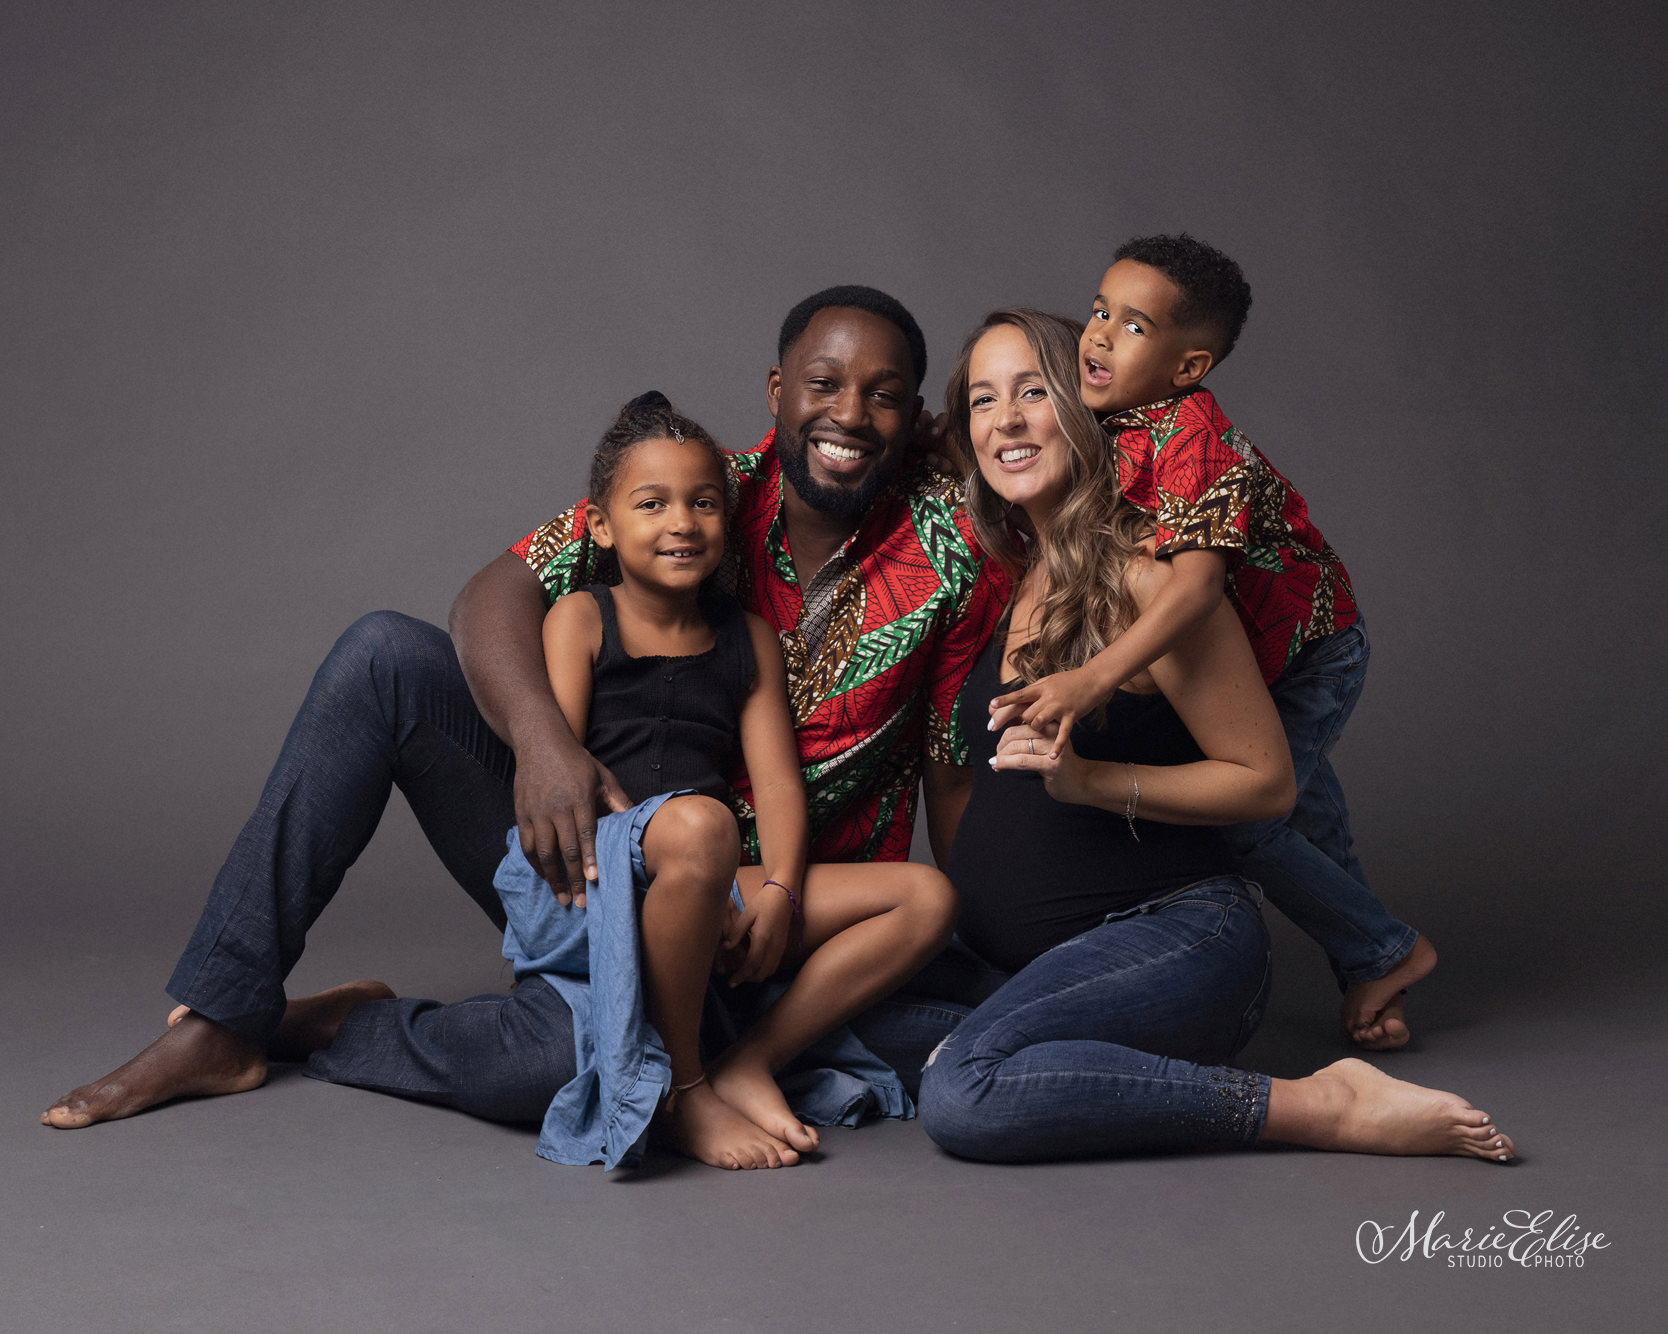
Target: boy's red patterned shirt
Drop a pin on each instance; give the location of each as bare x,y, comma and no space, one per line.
877,690
1207,486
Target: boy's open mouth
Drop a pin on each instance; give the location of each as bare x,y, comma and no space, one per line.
1095,373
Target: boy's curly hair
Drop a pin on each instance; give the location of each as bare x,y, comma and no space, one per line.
1214,295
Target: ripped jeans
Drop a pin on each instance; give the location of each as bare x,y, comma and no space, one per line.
1113,1042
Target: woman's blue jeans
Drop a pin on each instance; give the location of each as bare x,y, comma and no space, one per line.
1114,1042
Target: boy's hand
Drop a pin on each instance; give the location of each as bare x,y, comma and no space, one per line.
928,442
760,931
1053,703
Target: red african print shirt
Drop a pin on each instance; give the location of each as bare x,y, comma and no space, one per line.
1207,485
875,669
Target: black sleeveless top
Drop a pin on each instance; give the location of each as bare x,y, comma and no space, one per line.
1033,872
664,723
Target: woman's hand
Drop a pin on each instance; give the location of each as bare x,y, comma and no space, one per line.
1057,701
1036,750
757,937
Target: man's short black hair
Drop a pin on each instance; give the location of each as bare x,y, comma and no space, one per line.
870,299
1214,295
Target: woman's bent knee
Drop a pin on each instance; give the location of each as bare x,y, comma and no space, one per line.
950,1109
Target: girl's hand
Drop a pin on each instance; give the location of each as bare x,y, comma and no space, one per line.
1057,701
760,932
1033,750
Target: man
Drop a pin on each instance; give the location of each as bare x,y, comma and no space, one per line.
845,541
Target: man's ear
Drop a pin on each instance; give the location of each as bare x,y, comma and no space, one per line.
596,524
1192,367
773,391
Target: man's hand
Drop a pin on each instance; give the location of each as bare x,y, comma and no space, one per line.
1054,703
760,933
558,795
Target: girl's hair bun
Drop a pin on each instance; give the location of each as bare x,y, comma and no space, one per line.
653,399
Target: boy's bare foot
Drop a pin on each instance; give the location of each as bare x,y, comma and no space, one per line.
1372,1014
701,1125
752,1090
195,1058
1351,1107
310,1022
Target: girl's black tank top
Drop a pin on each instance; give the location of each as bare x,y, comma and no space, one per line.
666,723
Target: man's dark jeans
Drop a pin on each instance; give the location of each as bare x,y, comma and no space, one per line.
388,707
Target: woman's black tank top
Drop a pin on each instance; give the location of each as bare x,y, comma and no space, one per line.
1033,872
667,723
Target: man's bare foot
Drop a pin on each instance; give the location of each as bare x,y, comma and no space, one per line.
1350,1107
195,1058
310,1022
750,1088
701,1125
1372,1014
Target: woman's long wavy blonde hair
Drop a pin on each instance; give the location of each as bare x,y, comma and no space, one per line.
1092,535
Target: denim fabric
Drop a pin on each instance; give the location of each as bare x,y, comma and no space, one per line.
388,707
906,1027
591,956
1114,1041
1305,862
498,1057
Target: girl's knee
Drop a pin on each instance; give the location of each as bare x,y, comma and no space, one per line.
927,896
695,835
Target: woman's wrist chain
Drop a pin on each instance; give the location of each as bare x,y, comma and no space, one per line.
1132,802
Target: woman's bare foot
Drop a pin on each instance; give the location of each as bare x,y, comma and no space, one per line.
750,1088
195,1058
1372,1014
701,1125
1350,1107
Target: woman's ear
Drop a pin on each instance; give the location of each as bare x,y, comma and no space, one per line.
1192,367
596,524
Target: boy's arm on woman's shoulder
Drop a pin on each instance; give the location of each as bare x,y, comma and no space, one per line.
1174,596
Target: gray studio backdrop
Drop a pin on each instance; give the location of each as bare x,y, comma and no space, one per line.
312,308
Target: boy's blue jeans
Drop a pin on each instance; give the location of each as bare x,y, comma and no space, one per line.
1306,863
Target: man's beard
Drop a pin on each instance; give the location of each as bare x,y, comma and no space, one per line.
838,502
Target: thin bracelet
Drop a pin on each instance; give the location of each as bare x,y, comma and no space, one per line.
791,897
1130,805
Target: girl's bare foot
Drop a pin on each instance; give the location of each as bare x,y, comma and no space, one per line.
1351,1107
750,1088
701,1125
1372,1014
310,1022
195,1058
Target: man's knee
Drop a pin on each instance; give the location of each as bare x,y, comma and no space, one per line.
380,649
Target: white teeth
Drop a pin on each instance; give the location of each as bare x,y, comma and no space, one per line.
1018,452
834,451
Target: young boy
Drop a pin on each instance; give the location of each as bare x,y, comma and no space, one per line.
1168,310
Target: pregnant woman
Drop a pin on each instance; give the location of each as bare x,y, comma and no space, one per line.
1140,963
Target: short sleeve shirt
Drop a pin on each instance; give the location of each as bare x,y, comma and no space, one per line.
878,647
1208,487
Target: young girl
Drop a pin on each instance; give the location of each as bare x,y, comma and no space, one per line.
664,676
